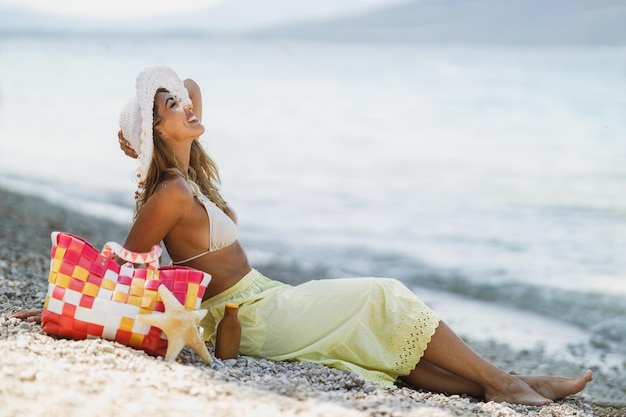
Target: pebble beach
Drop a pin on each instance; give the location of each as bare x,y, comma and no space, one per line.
46,376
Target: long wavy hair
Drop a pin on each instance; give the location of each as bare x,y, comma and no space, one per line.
202,169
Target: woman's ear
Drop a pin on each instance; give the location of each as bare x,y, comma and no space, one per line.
156,132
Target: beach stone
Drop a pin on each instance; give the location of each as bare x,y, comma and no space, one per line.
108,348
369,389
108,359
28,375
230,362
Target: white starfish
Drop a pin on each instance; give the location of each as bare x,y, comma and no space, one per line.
179,325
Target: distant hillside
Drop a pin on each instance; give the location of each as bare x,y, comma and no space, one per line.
528,22
597,22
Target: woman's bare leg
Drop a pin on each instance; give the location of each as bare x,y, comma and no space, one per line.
429,377
448,352
432,378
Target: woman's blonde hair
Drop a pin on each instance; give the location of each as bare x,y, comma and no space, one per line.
202,169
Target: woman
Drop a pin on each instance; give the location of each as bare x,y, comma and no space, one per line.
376,327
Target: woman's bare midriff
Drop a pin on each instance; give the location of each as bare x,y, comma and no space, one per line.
226,266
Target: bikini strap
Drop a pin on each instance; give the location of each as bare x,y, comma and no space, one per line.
191,259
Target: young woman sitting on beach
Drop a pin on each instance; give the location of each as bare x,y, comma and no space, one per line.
376,327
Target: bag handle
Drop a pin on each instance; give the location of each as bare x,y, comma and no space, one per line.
150,259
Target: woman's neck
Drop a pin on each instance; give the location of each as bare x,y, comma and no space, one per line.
182,151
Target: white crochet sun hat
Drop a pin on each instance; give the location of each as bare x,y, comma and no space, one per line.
136,115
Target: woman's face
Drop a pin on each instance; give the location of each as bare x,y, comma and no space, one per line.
177,123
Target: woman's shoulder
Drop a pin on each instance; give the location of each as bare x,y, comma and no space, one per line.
174,189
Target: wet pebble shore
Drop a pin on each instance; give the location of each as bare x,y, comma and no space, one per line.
45,376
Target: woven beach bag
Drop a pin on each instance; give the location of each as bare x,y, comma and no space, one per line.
91,296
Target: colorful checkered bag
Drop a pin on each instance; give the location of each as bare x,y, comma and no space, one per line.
90,295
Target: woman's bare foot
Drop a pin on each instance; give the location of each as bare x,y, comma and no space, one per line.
514,390
557,387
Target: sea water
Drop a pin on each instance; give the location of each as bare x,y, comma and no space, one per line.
491,180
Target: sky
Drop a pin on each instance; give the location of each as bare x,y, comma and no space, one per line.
110,8
113,9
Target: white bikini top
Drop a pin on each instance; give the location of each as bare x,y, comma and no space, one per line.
222,229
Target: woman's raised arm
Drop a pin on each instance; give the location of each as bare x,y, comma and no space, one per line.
195,95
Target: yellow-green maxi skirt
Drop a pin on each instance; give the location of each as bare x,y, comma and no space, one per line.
375,327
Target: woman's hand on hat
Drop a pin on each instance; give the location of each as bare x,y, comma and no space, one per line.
125,145
195,96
